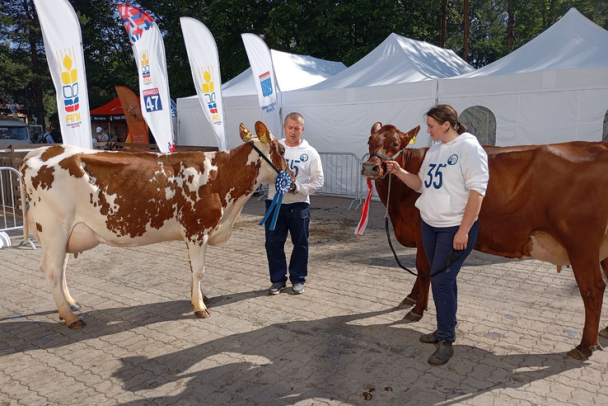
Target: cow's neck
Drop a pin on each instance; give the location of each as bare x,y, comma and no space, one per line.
401,209
413,158
238,186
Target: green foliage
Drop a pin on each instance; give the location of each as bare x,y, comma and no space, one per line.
339,30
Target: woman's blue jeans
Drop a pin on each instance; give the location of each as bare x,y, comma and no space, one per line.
438,244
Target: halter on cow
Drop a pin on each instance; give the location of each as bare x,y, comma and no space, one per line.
80,198
543,201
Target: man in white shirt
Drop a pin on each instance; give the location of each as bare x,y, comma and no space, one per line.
102,136
294,214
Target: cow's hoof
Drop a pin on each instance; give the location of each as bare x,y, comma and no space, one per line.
206,300
408,301
75,307
202,314
577,355
604,333
581,353
78,324
412,317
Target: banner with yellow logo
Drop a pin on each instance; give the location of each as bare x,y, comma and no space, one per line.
63,46
205,66
149,52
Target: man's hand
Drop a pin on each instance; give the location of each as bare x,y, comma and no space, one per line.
293,188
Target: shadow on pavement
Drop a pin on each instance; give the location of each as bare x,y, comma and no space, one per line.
100,323
336,358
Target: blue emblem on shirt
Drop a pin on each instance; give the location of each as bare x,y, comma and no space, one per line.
453,159
303,158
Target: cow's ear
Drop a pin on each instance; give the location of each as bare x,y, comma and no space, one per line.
410,136
263,132
246,135
376,127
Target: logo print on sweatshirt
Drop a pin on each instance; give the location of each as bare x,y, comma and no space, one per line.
303,157
453,159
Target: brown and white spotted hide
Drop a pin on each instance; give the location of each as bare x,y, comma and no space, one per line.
80,198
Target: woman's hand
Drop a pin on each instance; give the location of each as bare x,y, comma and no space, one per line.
460,240
392,167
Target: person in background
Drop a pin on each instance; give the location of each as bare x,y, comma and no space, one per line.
47,138
294,214
56,134
102,136
453,180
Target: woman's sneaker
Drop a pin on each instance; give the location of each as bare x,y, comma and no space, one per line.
442,354
276,288
298,288
431,338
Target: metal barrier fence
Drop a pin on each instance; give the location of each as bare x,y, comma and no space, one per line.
342,172
10,204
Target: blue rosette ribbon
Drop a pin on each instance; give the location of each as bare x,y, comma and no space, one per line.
282,186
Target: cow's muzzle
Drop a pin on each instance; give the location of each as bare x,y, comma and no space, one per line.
370,170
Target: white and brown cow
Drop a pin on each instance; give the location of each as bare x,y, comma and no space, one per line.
80,198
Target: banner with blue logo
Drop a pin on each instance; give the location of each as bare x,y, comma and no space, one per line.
266,82
63,46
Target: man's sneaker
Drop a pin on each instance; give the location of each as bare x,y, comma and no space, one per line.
298,288
276,288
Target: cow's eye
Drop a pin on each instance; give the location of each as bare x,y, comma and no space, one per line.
395,144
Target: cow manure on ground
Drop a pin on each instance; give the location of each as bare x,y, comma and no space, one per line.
332,230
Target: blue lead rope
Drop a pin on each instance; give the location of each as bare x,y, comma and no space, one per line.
281,185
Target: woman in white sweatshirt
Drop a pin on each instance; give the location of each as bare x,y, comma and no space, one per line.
453,180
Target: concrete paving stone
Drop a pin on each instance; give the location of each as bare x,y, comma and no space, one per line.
505,400
255,348
582,397
33,399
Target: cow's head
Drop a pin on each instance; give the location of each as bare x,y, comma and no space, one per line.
270,147
384,143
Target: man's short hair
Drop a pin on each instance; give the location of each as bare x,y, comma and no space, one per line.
296,117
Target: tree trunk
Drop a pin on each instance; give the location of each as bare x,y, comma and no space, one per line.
444,23
35,84
465,50
510,24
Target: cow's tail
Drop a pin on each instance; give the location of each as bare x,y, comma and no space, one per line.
26,231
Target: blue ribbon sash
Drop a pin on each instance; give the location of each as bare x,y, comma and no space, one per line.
282,186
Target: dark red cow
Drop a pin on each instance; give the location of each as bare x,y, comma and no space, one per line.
543,201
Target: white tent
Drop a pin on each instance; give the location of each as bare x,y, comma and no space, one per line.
395,83
398,60
240,98
553,89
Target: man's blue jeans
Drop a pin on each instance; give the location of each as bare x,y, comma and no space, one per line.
295,219
438,244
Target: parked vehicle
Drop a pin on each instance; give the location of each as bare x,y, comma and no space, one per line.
14,132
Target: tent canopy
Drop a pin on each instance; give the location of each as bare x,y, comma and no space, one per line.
293,72
111,111
241,101
553,89
398,60
572,42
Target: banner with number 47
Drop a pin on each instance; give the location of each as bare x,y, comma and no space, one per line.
152,100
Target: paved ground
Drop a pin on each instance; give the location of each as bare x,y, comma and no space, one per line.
340,341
